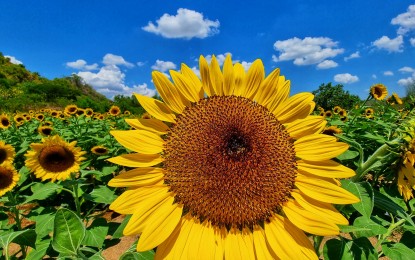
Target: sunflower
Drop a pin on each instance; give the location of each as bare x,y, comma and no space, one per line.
8,178
328,113
7,153
342,113
394,99
19,119
146,116
89,112
55,113
378,91
45,130
70,109
369,111
114,111
40,117
332,130
239,169
337,109
99,150
4,121
54,158
343,118
127,113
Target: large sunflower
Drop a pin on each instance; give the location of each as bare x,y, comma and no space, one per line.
378,91
238,169
54,158
8,178
7,153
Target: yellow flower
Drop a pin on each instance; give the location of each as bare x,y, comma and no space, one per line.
342,113
328,113
114,111
369,111
70,109
332,130
40,117
99,150
54,158
7,153
378,91
394,99
89,112
8,178
45,130
19,119
4,121
337,109
240,167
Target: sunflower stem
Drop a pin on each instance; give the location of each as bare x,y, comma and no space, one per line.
355,115
317,242
391,228
361,171
76,198
16,216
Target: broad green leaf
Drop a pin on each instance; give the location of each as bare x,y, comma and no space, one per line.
374,228
24,237
397,251
102,194
109,170
350,228
96,233
119,232
343,249
42,191
68,232
44,224
39,251
364,192
335,249
348,155
148,255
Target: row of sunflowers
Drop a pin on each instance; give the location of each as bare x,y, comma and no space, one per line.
227,166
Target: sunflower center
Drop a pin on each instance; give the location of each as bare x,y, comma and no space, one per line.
56,158
229,160
5,122
6,177
3,155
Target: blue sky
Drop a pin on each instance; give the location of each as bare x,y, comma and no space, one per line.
114,47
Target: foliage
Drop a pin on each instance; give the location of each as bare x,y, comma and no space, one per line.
328,96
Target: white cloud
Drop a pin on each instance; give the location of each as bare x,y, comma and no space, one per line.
111,59
345,78
220,58
406,69
407,81
13,60
388,73
327,64
140,63
246,65
412,41
81,65
354,55
307,51
186,24
391,45
406,21
163,66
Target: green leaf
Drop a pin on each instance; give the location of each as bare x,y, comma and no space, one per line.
348,155
39,251
374,228
344,249
102,194
24,237
397,251
119,232
364,192
68,232
42,191
96,233
349,229
44,224
148,255
408,239
109,170
336,249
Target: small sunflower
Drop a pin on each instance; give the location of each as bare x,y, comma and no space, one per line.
394,99
342,113
378,91
7,153
40,117
328,113
54,158
8,178
55,113
369,111
70,109
89,112
332,130
99,150
114,111
19,119
127,113
45,130
80,112
343,119
240,167
320,109
4,121
337,109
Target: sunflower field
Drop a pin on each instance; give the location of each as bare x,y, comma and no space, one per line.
227,165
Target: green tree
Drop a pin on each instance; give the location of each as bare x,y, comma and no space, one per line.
328,96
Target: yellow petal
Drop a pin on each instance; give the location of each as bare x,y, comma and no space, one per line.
311,223
286,241
216,76
152,125
319,147
159,225
260,245
205,75
327,168
156,108
254,78
137,160
282,92
324,210
166,249
185,86
235,247
296,107
169,93
139,141
307,126
202,242
268,88
137,177
228,80
323,190
239,76
197,85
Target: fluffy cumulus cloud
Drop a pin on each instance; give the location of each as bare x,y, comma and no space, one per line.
327,64
345,78
109,79
163,66
388,73
408,80
13,60
354,55
406,21
307,51
391,45
81,65
406,69
185,24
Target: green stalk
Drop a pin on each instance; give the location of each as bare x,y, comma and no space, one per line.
354,117
391,228
76,197
16,216
381,151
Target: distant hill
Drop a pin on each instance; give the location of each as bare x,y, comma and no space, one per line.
22,90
